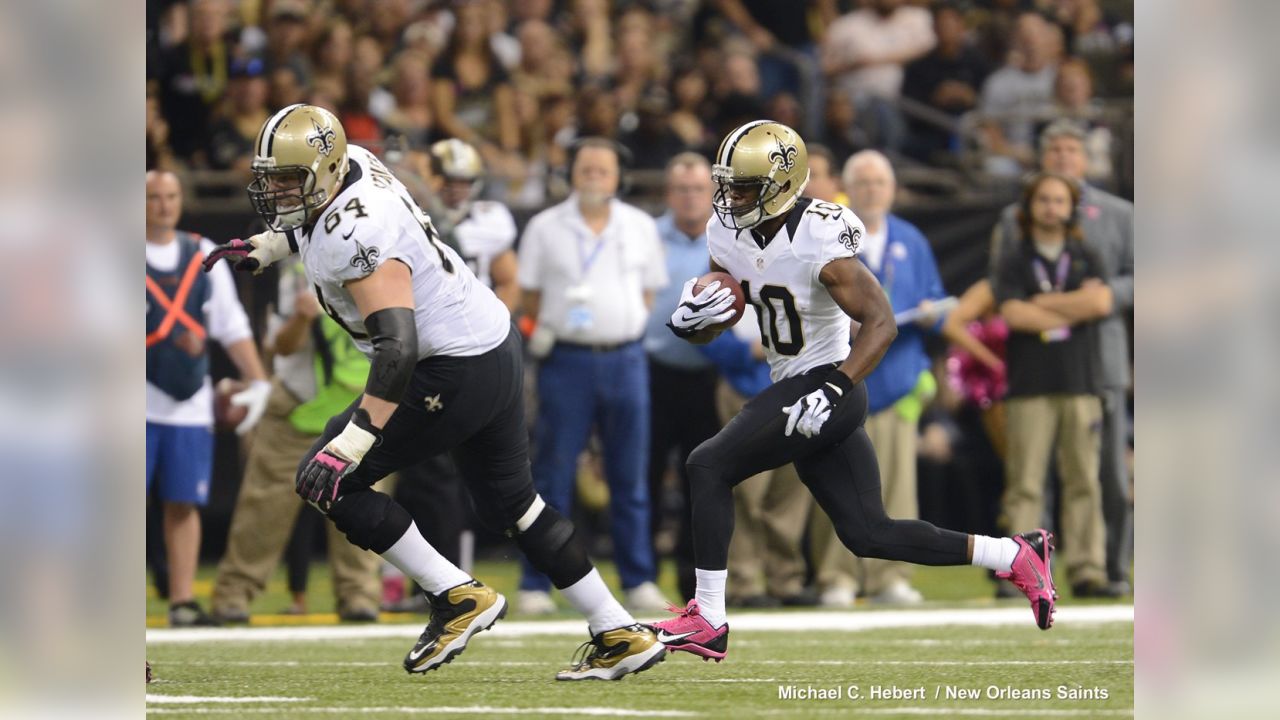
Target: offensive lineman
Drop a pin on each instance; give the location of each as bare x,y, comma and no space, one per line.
796,261
445,374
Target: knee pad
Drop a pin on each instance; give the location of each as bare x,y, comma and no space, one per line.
370,519
552,546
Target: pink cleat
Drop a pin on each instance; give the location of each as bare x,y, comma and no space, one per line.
691,632
1030,574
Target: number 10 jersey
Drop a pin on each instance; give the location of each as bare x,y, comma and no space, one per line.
801,326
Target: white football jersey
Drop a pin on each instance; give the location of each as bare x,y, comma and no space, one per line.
801,326
486,232
373,219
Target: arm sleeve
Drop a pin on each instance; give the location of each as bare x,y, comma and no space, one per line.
226,320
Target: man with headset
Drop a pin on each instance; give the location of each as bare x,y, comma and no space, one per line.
589,268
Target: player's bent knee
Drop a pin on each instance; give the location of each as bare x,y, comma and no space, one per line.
370,520
551,543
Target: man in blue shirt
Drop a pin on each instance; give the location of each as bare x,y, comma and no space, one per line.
682,382
900,386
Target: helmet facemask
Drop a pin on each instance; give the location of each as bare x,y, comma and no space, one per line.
747,214
285,197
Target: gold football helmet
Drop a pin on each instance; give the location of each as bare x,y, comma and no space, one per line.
460,169
759,171
300,161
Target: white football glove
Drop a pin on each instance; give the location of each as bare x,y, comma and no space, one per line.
810,412
712,306
254,398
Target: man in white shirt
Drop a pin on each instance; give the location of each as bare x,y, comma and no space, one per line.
589,268
864,55
184,307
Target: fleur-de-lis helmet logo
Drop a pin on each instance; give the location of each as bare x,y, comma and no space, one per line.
321,139
783,154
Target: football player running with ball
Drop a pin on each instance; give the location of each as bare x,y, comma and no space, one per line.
445,374
795,259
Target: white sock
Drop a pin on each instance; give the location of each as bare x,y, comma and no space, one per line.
994,553
710,595
416,558
592,598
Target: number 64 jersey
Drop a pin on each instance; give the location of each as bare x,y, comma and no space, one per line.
373,220
801,326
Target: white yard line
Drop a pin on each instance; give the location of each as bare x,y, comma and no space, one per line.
854,621
430,710
200,699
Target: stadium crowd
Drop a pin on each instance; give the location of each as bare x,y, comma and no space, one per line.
968,408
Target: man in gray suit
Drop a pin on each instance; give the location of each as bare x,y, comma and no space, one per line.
1107,222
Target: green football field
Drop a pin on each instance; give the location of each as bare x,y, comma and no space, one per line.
955,656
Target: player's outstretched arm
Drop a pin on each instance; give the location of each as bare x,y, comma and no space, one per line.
252,255
859,294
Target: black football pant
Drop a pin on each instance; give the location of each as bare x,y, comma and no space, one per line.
473,406
838,466
682,407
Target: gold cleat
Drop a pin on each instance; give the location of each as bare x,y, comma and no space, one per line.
456,615
615,653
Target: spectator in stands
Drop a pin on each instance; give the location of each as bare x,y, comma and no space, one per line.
472,93
333,51
689,90
947,80
318,372
994,23
159,153
652,143
386,20
414,117
232,135
589,268
767,567
823,184
1106,222
193,77
1016,95
185,307
1052,290
841,130
589,32
863,56
287,86
545,67
287,37
785,47
682,382
1074,100
639,70
900,386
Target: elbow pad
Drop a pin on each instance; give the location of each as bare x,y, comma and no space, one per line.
395,352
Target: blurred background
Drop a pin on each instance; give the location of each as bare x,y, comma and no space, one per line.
956,95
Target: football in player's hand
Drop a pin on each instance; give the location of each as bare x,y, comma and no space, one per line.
739,299
225,415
